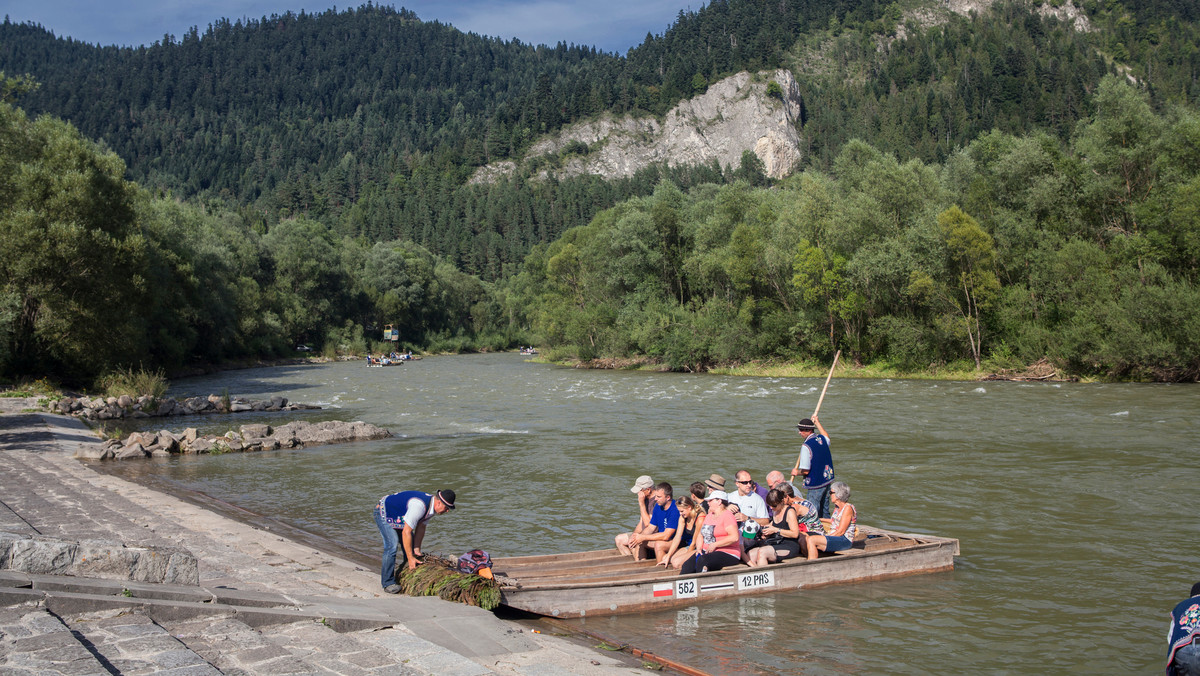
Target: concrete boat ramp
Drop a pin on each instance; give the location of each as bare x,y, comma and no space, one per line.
99,575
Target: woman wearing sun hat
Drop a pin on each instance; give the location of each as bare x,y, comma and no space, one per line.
721,542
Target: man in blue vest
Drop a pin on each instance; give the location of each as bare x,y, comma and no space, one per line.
401,518
816,464
1183,639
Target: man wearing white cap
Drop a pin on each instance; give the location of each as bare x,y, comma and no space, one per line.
644,488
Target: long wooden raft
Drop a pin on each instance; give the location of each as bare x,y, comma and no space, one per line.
604,582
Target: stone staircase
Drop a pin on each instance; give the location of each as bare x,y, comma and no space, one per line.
133,644
34,640
58,625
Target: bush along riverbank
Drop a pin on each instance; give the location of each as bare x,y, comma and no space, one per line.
248,438
1041,371
146,406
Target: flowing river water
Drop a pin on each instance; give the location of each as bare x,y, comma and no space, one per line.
1075,504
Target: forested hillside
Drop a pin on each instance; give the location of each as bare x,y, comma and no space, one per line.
1012,68
308,114
370,120
972,192
1015,249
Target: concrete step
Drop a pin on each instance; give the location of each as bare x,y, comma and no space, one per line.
19,491
233,646
68,595
265,580
301,647
423,656
132,644
54,502
33,641
259,632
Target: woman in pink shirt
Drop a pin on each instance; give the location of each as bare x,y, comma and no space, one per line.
721,541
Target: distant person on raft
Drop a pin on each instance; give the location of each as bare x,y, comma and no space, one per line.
401,518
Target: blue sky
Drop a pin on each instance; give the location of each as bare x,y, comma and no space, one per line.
613,25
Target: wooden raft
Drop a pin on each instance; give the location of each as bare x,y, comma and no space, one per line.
604,582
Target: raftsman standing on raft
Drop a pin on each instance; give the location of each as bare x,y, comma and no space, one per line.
816,464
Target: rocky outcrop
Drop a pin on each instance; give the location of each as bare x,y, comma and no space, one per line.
735,115
1068,13
145,406
249,438
1063,11
934,15
102,559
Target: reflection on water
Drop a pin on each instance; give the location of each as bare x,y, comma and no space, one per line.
1044,484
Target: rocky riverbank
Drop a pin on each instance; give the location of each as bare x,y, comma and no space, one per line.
248,438
146,406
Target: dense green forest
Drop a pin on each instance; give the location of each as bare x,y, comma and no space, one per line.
370,121
1014,249
100,274
990,189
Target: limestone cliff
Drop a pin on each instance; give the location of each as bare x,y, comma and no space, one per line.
934,14
735,114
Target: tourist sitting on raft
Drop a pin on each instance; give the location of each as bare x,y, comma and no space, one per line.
806,513
780,538
746,503
698,491
720,542
658,517
643,487
683,546
843,524
702,534
714,482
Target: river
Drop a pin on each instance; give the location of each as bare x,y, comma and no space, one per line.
1074,503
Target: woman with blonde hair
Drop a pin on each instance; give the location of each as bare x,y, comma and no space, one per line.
687,533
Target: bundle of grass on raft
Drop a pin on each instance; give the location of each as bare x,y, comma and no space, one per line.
438,577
